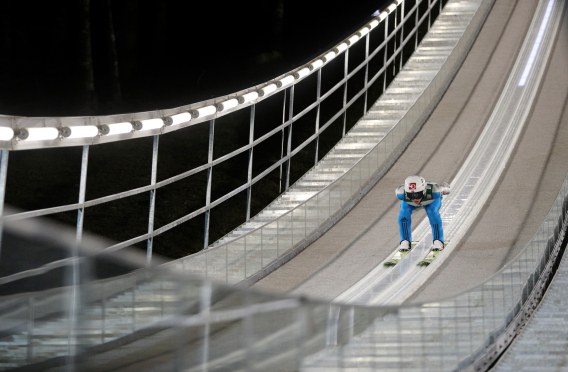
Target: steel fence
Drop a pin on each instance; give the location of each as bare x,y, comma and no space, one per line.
165,181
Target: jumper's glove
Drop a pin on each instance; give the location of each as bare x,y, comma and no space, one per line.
399,190
444,188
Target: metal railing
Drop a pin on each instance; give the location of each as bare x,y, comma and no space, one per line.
168,177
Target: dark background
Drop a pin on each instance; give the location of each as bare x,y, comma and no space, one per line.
94,57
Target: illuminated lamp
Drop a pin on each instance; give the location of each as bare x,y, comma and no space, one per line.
203,111
329,56
316,64
341,47
301,73
247,97
6,134
81,131
287,80
227,105
180,118
149,124
116,128
38,134
353,39
267,90
364,31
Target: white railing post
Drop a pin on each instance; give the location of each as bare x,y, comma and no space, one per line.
4,155
250,160
346,82
289,139
152,211
209,180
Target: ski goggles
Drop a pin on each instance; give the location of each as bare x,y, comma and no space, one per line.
415,195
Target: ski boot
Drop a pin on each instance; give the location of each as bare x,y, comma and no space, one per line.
438,245
404,246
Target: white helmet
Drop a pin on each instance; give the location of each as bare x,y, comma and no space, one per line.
414,187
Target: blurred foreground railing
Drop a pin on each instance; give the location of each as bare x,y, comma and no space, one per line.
176,321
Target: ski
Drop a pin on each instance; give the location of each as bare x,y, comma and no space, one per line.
431,256
398,256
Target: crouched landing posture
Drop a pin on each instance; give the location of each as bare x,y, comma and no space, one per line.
418,193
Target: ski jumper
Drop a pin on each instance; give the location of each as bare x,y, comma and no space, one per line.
431,202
